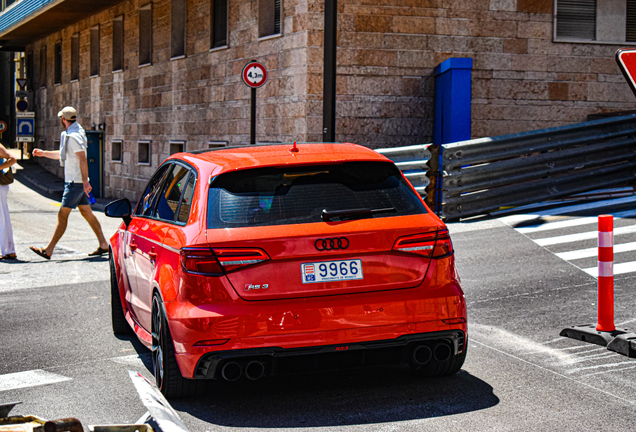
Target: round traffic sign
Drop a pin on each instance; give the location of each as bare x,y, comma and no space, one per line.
3,126
254,74
22,105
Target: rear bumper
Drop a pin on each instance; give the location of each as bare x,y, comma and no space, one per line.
280,361
205,335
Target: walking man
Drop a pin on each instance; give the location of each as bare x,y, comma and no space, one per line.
7,246
72,156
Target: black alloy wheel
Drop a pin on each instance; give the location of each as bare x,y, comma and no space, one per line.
168,377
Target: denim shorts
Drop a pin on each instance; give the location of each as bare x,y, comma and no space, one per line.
74,195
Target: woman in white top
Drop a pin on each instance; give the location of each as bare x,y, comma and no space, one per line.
7,247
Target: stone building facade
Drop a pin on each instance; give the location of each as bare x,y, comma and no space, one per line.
523,77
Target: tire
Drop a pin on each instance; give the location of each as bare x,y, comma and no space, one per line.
436,368
118,319
168,377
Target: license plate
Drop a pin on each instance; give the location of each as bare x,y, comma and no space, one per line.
329,271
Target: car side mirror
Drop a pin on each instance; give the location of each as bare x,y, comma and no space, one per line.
119,209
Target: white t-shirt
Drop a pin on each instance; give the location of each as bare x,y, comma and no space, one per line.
72,171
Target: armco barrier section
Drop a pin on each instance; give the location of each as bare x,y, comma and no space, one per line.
482,175
412,161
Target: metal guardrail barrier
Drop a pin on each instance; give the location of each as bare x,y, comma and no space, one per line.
482,175
412,161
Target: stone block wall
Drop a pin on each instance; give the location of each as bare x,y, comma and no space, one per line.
196,99
387,51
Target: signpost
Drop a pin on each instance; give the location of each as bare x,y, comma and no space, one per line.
3,127
626,59
254,76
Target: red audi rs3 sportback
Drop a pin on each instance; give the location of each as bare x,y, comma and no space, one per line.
278,259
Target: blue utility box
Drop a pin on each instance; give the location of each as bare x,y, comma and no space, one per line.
452,100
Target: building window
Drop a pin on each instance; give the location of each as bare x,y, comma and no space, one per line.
143,152
6,3
178,28
177,147
43,66
58,62
218,23
116,152
217,144
95,50
118,43
604,21
269,16
75,57
145,34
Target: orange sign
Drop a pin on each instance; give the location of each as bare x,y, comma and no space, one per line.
626,59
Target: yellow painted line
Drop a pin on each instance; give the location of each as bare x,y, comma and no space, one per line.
56,204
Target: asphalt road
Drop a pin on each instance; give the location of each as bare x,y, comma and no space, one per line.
59,357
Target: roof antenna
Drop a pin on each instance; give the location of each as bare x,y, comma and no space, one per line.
294,149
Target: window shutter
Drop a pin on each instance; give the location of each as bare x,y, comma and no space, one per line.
277,17
576,19
630,31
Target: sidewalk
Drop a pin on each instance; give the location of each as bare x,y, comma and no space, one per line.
35,177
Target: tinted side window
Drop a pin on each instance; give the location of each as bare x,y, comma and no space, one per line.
170,196
186,200
146,203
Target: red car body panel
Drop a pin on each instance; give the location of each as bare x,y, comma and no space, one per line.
401,293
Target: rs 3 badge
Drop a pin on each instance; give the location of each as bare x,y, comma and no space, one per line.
250,287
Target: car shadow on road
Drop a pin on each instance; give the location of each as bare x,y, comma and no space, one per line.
367,396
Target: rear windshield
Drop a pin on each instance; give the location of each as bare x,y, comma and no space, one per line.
306,194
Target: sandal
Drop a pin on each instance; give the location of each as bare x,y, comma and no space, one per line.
9,256
98,252
41,252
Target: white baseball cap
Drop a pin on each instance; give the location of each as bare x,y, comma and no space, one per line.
68,113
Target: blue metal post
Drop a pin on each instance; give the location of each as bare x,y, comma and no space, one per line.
452,101
452,110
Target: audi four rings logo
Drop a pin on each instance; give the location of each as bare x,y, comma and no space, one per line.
332,243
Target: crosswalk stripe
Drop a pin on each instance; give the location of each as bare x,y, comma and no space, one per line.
592,252
569,238
568,209
558,225
628,267
539,219
31,378
571,222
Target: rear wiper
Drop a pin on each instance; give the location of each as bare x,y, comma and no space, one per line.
351,214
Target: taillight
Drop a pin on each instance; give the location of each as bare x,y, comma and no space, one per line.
215,261
200,260
232,259
435,244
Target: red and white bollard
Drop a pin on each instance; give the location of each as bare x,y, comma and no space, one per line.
605,274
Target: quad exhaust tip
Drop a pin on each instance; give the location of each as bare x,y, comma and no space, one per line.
421,355
441,352
253,370
231,371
